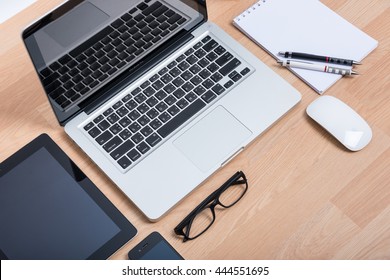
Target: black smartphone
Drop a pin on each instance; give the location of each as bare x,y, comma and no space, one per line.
154,247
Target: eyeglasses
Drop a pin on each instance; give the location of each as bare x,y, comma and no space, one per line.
203,216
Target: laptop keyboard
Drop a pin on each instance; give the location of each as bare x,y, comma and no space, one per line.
135,124
76,75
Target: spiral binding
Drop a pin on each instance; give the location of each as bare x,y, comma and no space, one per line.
250,9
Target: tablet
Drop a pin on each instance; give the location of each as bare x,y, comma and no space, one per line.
49,209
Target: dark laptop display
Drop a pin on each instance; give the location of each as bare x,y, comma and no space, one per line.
81,49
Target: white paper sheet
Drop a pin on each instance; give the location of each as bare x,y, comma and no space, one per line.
9,8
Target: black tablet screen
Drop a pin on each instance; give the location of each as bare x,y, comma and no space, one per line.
45,214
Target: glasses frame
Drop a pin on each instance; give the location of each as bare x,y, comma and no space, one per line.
210,202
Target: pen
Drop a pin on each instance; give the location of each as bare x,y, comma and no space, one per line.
317,67
327,59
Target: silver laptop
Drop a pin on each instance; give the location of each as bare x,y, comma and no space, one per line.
155,94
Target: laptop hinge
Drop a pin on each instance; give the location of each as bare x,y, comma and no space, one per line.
131,77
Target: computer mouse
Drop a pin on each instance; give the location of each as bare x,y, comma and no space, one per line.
341,121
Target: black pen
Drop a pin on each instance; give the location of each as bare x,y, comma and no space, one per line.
326,59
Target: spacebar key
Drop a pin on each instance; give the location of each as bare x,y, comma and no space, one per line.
181,118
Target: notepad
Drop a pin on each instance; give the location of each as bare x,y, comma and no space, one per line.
306,26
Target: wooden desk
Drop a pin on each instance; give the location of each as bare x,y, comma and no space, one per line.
308,198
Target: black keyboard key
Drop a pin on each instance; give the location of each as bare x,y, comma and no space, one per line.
173,110
65,59
160,95
60,100
103,125
206,39
205,74
125,134
149,18
160,11
108,112
98,119
224,58
104,137
134,115
170,100
191,97
124,162
181,118
143,148
199,90
137,138
133,10
220,50
57,92
94,132
245,71
218,89
65,104
142,6
152,101
125,121
158,85
188,86
50,79
112,144
152,113
200,53
88,126
46,72
210,45
213,67
184,65
208,96
143,120
134,127
91,41
133,155
113,118
55,66
122,111
116,128
75,97
151,8
153,139
182,103
169,88
174,18
122,149
228,84
146,131
178,82
229,67
180,21
149,91
117,23
208,83
155,124
236,77
179,93
216,77
195,69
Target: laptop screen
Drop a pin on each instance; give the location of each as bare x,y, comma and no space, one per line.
83,49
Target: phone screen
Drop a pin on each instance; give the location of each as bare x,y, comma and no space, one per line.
154,247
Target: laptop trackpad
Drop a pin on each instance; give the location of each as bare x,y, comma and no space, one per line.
213,139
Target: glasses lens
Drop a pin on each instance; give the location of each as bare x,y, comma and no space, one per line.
233,193
201,222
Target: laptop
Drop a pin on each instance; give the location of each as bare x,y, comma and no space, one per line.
155,94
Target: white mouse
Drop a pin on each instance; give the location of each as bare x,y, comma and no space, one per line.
341,121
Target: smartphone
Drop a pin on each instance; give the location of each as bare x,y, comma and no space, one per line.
154,247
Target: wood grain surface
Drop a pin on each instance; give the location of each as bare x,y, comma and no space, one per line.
308,197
